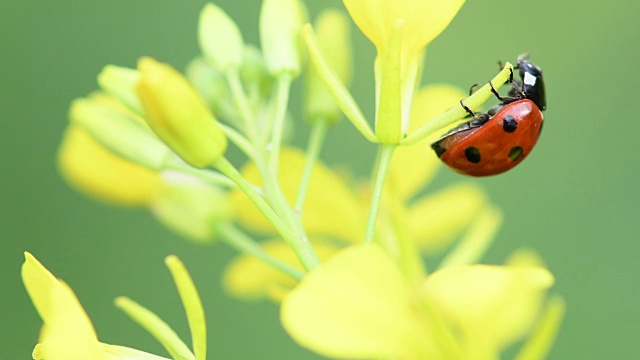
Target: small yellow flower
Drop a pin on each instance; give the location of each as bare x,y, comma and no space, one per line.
400,30
100,174
424,20
68,333
178,115
358,305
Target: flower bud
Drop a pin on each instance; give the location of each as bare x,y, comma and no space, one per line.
280,35
178,115
189,206
119,132
120,82
220,39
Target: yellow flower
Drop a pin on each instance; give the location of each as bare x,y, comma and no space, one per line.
424,20
98,173
400,30
67,333
358,305
181,202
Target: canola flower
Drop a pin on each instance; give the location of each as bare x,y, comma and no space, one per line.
343,257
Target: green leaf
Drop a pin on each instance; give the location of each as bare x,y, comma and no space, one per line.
156,327
192,305
340,93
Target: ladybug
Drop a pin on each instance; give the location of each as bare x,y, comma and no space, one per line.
496,141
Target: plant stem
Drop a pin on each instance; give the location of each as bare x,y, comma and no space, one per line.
318,132
244,244
283,87
296,239
242,104
386,152
208,176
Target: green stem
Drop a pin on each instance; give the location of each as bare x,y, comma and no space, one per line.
318,132
242,104
208,176
239,140
244,244
299,243
281,102
386,151
269,171
457,112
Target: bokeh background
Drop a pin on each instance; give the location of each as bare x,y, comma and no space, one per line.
575,199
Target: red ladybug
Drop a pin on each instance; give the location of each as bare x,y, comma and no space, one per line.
495,142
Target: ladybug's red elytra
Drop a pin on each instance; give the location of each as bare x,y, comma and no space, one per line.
497,141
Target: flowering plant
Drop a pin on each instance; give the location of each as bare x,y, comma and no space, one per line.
343,258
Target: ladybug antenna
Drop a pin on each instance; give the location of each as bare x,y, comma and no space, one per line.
522,57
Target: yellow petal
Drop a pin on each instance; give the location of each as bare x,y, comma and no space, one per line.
331,208
490,306
356,306
424,19
436,220
98,173
249,278
68,333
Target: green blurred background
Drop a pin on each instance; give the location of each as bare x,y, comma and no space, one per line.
574,200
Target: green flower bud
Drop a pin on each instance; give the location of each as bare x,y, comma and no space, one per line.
332,29
281,23
178,115
220,39
120,82
119,132
211,85
189,206
254,73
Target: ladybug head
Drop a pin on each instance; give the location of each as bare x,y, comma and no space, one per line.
532,82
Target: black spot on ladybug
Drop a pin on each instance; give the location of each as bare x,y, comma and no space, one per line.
438,148
515,153
472,154
509,124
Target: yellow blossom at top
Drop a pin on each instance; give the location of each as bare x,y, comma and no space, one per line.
424,20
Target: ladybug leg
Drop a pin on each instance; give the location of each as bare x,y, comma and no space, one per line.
506,99
478,119
501,66
473,87
466,108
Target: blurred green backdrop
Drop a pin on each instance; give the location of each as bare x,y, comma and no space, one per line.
574,200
